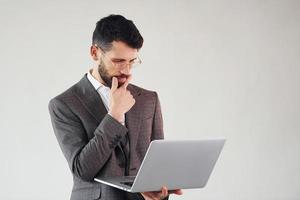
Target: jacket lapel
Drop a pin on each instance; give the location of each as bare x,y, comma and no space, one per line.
90,98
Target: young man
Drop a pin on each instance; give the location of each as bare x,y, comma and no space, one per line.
103,124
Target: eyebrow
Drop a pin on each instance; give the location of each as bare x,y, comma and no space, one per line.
122,59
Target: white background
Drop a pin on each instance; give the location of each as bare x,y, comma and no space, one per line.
221,68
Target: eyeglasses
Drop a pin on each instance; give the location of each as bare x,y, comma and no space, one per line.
122,63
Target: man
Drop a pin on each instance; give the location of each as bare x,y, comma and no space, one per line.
103,124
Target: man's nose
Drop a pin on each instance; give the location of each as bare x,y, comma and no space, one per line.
126,70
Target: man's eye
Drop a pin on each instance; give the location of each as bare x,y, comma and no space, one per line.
119,61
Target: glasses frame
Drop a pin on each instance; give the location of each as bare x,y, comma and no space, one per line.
132,64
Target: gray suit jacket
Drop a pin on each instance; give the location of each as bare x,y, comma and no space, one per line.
91,140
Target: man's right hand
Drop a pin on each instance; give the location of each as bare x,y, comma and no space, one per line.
161,194
121,100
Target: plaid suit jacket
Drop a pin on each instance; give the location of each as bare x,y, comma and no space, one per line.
90,138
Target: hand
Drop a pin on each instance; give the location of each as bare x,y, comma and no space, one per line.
121,99
160,195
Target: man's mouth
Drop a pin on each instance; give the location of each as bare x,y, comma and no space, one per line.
122,78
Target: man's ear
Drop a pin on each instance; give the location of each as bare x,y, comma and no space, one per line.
93,52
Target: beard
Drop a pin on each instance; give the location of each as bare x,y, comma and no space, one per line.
107,79
103,73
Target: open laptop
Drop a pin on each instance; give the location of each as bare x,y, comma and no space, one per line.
174,164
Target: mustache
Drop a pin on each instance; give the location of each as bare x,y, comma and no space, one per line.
122,76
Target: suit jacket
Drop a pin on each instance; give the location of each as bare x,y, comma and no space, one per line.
90,139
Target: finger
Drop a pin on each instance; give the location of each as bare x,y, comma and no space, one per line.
114,84
127,82
164,191
151,195
133,102
178,192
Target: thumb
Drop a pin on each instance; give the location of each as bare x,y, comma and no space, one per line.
164,191
178,192
114,84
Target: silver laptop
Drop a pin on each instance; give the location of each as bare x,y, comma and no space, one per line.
174,164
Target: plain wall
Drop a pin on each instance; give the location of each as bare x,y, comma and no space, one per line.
221,69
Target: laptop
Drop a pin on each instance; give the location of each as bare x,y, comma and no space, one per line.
174,164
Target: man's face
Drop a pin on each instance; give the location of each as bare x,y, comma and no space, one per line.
115,63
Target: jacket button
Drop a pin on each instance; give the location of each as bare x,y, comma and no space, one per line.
122,165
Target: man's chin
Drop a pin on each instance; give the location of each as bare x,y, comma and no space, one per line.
120,84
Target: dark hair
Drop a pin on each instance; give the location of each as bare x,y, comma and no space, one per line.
116,28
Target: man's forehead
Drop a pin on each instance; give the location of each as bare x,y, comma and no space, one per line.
122,50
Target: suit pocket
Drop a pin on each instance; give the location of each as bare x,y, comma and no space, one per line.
147,118
147,123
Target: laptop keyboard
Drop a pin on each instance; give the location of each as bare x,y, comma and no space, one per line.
127,183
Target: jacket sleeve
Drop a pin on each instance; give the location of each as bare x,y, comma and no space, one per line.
85,157
157,125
